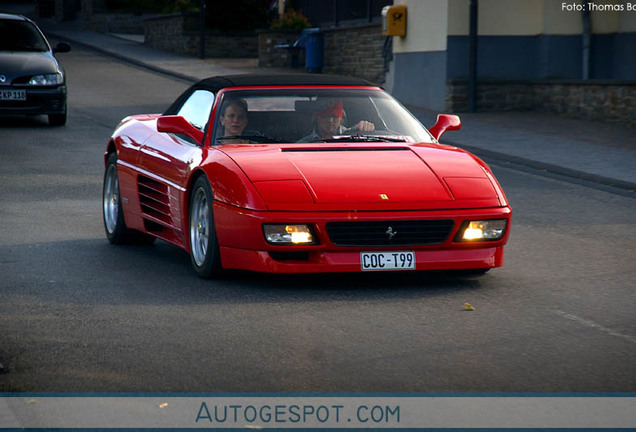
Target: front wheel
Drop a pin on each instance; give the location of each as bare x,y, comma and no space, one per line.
58,119
204,245
473,272
116,230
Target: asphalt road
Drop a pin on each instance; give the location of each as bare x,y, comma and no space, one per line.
78,314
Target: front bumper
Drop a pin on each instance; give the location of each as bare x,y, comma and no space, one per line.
242,244
38,101
332,261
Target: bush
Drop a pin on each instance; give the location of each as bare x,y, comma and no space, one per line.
238,15
291,20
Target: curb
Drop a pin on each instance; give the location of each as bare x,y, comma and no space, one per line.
123,58
608,184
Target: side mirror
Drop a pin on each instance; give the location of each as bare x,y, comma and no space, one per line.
62,47
178,125
445,122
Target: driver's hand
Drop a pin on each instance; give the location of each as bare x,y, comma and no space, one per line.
364,126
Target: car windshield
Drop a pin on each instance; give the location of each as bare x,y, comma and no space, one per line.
21,36
295,116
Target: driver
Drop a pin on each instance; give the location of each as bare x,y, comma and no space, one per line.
328,123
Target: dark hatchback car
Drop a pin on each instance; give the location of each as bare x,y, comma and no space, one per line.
32,82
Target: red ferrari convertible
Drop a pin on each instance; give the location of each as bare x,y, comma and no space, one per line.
301,173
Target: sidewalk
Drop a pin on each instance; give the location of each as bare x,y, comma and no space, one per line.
131,50
593,152
590,151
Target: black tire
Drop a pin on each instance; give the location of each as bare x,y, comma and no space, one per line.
57,119
204,245
473,272
114,223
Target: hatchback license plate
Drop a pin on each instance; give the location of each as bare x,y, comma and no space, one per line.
398,260
9,95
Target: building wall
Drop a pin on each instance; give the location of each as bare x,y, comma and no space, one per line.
530,54
419,70
426,26
533,17
537,39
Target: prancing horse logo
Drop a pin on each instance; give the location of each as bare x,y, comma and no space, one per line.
390,233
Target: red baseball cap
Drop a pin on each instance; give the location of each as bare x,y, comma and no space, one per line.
333,108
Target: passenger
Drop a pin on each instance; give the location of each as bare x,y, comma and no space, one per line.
233,122
328,123
234,117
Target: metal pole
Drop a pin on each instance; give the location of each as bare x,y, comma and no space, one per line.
336,22
472,57
587,42
201,29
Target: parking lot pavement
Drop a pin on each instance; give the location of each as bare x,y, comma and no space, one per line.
590,151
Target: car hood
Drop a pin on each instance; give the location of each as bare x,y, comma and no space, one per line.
358,177
19,64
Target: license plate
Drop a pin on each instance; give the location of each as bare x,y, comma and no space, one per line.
9,95
394,260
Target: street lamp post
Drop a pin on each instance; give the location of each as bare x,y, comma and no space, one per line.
201,29
472,58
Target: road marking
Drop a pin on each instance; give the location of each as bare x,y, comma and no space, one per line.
594,325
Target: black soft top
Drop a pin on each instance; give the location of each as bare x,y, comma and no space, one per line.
214,84
221,82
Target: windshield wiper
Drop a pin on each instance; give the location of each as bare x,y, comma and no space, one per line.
364,138
256,138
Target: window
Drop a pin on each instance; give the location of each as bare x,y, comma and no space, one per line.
196,109
21,36
289,115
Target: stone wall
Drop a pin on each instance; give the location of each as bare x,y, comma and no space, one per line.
613,101
270,56
225,45
354,51
95,18
178,33
610,101
126,23
167,32
65,10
